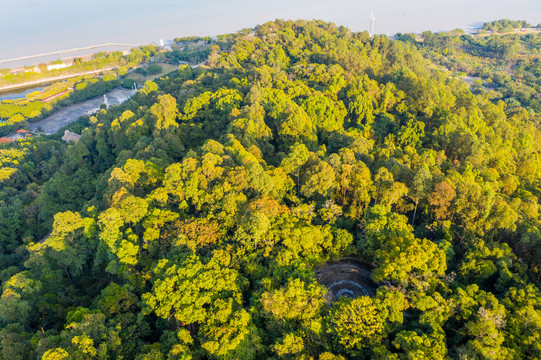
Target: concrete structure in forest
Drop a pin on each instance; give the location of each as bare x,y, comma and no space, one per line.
70,136
347,277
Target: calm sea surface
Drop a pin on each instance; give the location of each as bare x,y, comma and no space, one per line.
36,26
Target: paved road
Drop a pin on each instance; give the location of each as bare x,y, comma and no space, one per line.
63,117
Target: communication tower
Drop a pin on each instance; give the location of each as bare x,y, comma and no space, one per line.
372,23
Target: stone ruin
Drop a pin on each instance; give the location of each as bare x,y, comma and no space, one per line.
347,277
70,136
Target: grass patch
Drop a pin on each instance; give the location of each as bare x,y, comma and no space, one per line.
166,69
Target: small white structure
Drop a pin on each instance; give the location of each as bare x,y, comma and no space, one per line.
58,66
93,111
372,24
70,136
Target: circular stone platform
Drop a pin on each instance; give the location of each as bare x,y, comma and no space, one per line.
347,277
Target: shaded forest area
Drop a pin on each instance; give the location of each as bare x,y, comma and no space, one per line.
188,222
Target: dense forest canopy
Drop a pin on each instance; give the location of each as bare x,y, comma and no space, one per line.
189,222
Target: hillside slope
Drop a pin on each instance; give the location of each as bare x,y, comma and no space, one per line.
188,223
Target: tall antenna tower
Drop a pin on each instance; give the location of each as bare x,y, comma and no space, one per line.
372,23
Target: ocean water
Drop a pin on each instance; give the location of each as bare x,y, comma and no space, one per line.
29,27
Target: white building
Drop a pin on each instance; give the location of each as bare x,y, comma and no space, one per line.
58,66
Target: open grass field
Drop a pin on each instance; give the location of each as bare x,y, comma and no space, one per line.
166,68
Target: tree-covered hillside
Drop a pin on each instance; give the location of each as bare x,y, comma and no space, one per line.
190,221
506,67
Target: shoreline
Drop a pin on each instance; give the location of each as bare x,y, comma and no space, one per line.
22,61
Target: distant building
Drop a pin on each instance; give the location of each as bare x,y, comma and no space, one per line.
70,136
23,133
17,70
5,140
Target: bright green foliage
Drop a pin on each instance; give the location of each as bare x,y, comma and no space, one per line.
354,181
388,192
298,304
326,114
484,318
91,337
290,345
330,356
56,354
321,181
18,300
206,283
149,87
361,323
482,262
360,107
390,242
208,295
523,323
115,299
225,328
292,123
421,346
69,245
192,221
165,111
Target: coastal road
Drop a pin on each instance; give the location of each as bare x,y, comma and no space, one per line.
53,79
